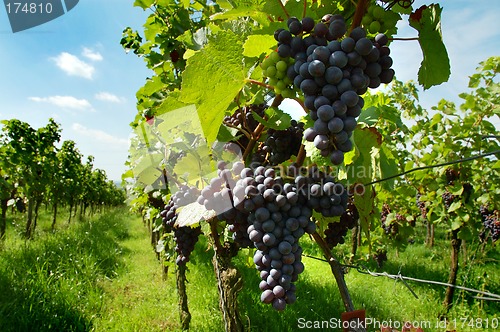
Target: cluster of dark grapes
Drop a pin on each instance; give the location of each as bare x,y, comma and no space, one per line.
185,237
391,229
468,189
243,117
380,257
280,145
155,201
448,199
219,196
279,214
244,120
491,223
336,231
451,175
422,207
20,205
332,70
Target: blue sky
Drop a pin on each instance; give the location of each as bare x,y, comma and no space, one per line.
74,69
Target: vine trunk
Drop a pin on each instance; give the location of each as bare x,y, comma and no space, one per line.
452,279
229,284
185,315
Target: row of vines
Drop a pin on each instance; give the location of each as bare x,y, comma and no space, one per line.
216,153
35,172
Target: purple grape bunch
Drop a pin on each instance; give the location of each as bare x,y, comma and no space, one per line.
333,69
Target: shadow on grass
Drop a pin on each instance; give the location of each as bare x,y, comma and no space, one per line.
316,301
52,284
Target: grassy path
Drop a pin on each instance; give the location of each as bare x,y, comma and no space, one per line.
135,299
140,299
102,275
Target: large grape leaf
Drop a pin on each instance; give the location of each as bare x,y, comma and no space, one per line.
435,67
255,45
234,14
212,79
147,169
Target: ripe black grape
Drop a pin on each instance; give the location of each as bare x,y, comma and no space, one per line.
491,223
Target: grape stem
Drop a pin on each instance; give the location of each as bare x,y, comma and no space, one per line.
267,86
260,128
301,156
284,9
243,130
358,15
304,11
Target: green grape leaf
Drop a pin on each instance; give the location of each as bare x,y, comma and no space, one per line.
315,155
368,142
219,62
369,116
276,119
234,14
149,176
455,206
388,167
194,166
144,4
255,45
465,234
146,162
365,204
435,67
192,214
456,223
128,175
401,10
171,103
350,157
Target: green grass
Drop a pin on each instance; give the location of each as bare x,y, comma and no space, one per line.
52,283
102,275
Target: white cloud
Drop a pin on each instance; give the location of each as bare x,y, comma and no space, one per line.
106,96
73,66
64,102
101,136
91,55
